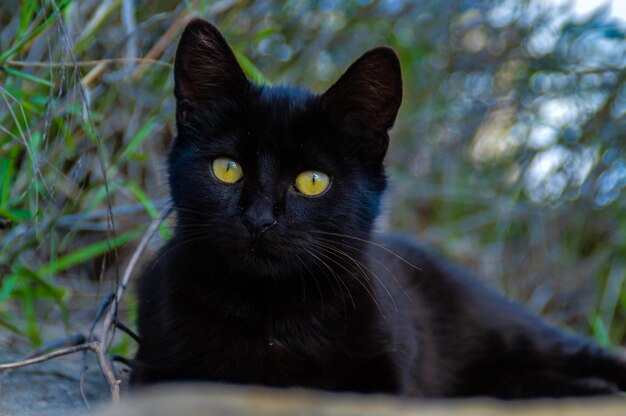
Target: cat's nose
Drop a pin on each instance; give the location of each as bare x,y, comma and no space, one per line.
258,223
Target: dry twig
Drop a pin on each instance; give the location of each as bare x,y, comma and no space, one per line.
92,345
94,62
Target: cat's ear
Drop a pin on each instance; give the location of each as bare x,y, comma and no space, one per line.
205,68
369,92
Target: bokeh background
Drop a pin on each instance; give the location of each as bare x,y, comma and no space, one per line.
508,155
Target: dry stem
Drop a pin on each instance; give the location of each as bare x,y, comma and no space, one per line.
92,345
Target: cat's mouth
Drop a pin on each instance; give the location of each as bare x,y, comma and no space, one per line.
275,254
265,258
258,252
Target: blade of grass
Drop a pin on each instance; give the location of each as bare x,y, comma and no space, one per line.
250,69
55,292
26,284
26,76
28,10
610,297
16,215
138,138
145,200
7,175
599,330
100,16
263,33
32,327
8,285
96,196
4,323
87,253
19,45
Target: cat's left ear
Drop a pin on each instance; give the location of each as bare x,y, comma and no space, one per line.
369,92
206,71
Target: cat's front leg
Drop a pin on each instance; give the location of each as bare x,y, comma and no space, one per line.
540,367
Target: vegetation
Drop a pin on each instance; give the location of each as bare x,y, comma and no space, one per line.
508,154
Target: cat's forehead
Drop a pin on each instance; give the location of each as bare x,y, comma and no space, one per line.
283,116
272,126
280,103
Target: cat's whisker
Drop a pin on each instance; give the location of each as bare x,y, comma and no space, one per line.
185,227
295,254
178,244
313,276
361,277
320,242
337,279
204,212
191,221
373,243
360,251
370,291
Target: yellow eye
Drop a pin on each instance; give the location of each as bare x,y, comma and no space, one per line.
312,182
227,170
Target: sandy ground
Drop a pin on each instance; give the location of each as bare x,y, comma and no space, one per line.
50,388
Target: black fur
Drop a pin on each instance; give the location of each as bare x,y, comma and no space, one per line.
317,300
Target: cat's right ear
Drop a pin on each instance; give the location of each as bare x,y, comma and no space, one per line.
205,69
368,96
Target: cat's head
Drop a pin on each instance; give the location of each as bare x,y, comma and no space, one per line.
264,176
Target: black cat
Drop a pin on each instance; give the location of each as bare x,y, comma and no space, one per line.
273,275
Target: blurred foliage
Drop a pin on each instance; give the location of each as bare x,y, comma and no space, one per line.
508,153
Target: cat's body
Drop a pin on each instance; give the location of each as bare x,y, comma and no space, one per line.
265,283
433,332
